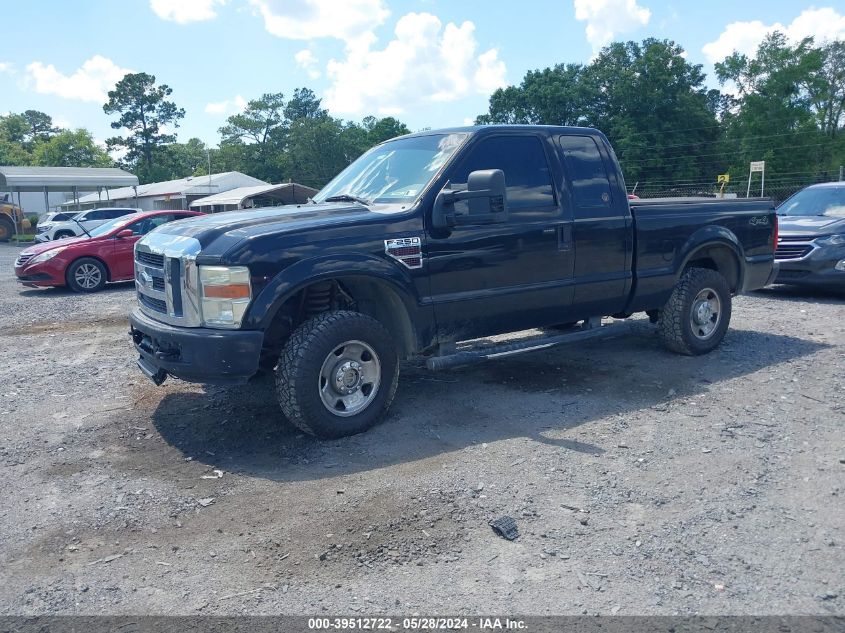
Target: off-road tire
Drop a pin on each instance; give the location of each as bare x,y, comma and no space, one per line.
674,326
300,363
70,275
7,228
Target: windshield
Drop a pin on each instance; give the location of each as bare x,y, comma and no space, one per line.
829,201
112,225
394,172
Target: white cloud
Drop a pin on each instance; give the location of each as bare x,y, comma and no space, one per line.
310,19
306,60
7,67
184,11
227,107
745,37
90,82
424,63
607,18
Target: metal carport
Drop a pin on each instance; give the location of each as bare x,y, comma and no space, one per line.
73,179
286,193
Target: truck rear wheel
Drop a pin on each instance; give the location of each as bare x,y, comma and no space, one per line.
697,315
337,374
7,228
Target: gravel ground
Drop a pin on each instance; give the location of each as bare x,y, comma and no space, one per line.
642,482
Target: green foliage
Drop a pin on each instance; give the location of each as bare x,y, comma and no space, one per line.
278,140
70,148
143,109
178,160
668,129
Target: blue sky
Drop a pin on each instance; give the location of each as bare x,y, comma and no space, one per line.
430,63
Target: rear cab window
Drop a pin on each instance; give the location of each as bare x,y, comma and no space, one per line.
586,173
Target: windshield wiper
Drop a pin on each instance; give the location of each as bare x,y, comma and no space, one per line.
79,224
345,197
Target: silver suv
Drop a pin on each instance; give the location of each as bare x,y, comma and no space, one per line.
80,223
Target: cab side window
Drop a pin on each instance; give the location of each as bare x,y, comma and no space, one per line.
586,171
527,175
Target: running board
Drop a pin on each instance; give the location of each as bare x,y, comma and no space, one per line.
471,356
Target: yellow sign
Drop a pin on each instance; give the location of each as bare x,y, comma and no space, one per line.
723,178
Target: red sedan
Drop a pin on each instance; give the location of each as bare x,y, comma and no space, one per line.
87,263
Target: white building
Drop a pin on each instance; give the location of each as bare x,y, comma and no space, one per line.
171,194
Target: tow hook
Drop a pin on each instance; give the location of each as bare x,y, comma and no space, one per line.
167,354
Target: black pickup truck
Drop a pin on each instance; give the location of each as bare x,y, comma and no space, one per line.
425,244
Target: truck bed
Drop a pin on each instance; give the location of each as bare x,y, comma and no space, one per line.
666,229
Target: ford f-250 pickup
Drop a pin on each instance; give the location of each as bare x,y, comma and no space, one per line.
425,243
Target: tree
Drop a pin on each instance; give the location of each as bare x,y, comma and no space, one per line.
144,111
553,96
379,130
71,148
645,96
788,110
13,131
304,105
40,126
179,160
655,109
256,136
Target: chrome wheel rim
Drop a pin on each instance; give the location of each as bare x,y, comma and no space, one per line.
349,378
88,276
705,314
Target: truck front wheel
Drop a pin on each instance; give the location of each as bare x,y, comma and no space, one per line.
337,374
696,317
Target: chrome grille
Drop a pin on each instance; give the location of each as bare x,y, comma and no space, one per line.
166,278
153,304
22,259
150,259
793,247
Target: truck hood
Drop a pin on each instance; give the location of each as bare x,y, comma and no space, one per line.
810,224
231,227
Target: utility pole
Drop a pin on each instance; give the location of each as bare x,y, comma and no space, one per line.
841,173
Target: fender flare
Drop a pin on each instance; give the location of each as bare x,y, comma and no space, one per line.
305,272
707,237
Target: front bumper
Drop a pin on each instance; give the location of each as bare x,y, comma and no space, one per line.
201,355
42,275
817,269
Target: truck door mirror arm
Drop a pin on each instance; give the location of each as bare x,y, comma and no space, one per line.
487,199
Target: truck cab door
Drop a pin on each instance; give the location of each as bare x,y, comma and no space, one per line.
492,278
603,229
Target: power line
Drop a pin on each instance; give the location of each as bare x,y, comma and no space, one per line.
728,153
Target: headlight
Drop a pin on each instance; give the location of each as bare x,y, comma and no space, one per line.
225,293
43,257
832,240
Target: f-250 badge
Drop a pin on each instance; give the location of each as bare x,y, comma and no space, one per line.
405,250
762,220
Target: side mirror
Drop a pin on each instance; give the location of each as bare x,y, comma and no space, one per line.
124,234
486,197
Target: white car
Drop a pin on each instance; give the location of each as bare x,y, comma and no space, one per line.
80,223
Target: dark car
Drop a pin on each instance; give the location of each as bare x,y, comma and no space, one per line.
811,245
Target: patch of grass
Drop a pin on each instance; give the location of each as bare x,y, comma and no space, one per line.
26,237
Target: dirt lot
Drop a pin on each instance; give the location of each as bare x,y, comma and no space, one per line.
706,485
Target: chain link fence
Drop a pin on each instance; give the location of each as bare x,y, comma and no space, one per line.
779,189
